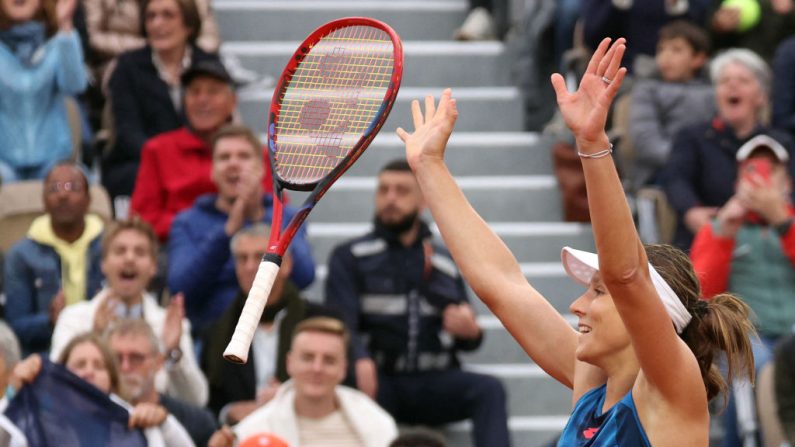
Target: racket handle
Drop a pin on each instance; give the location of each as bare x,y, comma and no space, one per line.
237,349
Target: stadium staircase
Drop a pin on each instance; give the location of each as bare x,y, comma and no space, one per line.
506,173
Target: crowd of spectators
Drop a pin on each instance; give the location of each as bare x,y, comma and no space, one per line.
144,77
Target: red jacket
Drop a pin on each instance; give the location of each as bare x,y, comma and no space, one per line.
712,257
174,171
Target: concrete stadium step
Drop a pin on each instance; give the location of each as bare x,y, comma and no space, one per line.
460,64
483,109
496,198
294,20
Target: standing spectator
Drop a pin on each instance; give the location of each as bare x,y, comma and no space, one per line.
699,176
402,292
145,91
129,253
137,352
176,166
237,390
87,356
41,63
201,265
749,250
637,20
661,107
312,408
732,25
784,87
58,262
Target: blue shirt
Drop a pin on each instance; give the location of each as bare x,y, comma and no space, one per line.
589,427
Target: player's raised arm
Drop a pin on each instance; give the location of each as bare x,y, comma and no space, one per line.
485,261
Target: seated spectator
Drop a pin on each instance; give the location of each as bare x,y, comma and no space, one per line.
41,63
137,352
237,390
406,306
784,87
312,407
129,253
701,170
735,25
176,166
784,383
638,21
10,436
144,88
662,106
89,358
57,263
201,265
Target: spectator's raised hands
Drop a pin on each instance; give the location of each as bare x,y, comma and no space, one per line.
25,371
146,415
585,110
172,326
431,130
763,197
64,11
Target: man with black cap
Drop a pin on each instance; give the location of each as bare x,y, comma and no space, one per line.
175,166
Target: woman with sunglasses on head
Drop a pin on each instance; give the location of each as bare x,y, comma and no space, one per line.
640,363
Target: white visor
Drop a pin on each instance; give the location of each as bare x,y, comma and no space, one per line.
581,266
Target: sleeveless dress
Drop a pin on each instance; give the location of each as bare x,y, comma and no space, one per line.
589,427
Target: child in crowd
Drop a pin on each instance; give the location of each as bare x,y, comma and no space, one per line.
662,106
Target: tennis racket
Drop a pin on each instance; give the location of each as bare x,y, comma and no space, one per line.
330,102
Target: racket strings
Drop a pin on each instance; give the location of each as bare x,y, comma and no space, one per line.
331,100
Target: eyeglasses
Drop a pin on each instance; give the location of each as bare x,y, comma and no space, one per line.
134,359
54,187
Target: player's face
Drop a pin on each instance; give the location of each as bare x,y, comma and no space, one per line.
66,197
738,94
397,197
209,103
165,26
677,61
18,11
317,364
601,331
86,362
137,363
129,265
235,160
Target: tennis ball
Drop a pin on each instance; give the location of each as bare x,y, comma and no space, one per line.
750,12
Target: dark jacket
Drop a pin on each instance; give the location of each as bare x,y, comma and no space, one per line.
393,297
197,421
785,385
783,96
702,168
201,264
230,382
32,278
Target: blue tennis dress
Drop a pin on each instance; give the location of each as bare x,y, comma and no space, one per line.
618,427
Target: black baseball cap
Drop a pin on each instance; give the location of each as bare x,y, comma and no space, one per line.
213,68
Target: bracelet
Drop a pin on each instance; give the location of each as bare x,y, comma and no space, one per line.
599,154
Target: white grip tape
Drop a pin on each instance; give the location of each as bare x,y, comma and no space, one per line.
237,349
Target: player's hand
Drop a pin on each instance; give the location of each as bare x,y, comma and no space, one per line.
459,320
223,437
367,377
146,415
56,306
172,326
431,129
585,110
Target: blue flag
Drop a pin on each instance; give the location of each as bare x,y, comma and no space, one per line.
61,409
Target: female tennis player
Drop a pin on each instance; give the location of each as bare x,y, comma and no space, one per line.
640,363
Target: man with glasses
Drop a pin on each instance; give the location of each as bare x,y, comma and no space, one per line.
139,357
57,263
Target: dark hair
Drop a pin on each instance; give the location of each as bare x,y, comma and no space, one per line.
696,37
400,165
104,351
237,130
720,324
134,223
190,17
46,14
418,438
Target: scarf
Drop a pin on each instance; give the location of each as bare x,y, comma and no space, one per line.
24,39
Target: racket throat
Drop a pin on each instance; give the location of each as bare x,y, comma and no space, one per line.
272,257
